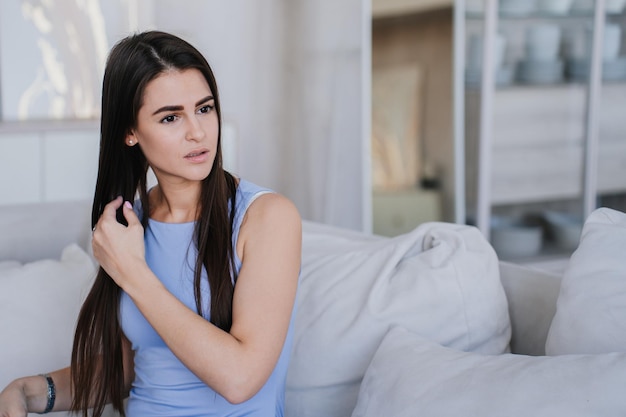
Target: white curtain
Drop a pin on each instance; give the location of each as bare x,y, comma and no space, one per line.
291,76
328,161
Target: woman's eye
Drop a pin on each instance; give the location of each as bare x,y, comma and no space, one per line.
168,119
205,109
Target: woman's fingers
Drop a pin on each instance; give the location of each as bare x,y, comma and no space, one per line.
109,212
117,247
111,208
130,215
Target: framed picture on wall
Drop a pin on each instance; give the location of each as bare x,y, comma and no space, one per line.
52,55
397,100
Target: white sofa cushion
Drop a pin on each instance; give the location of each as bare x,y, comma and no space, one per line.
591,308
411,376
531,294
39,304
440,280
6,265
31,232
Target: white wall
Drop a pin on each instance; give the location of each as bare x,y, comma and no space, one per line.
48,163
290,78
242,40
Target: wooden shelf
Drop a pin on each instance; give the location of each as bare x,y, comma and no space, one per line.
394,8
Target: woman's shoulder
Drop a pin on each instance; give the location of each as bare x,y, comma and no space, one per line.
268,207
248,188
274,205
272,219
247,192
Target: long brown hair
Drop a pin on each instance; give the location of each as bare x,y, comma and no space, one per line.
97,360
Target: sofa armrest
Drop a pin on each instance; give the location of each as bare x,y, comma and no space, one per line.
30,232
532,295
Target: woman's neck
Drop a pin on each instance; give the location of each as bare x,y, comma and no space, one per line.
174,204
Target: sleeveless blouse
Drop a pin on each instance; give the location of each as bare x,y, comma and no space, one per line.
163,386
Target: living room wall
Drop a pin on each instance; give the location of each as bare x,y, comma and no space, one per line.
292,87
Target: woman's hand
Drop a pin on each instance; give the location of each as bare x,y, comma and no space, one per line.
119,249
13,402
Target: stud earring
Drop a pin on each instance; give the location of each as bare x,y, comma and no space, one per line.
130,142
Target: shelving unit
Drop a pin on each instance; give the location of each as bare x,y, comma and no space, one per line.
528,148
389,8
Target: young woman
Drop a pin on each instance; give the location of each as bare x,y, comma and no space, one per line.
191,311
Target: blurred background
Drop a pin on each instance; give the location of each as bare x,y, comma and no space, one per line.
291,77
374,115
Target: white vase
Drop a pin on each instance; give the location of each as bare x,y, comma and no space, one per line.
614,6
554,7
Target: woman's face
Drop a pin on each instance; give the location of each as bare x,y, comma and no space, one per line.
177,127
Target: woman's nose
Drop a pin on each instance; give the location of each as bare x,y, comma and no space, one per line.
194,129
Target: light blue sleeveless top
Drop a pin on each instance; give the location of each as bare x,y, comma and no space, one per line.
163,386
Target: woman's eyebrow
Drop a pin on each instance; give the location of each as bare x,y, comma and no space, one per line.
204,100
168,109
179,108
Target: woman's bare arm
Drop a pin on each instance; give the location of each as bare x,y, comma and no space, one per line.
30,394
235,364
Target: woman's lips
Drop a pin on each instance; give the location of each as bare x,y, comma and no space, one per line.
197,156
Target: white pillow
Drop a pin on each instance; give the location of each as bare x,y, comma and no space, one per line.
411,376
39,304
591,308
440,280
6,265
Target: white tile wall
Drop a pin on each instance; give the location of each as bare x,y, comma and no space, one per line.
48,165
20,168
70,163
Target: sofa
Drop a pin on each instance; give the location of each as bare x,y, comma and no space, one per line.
429,323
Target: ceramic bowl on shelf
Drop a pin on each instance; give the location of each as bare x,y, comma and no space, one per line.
614,6
582,7
514,239
540,72
612,70
612,41
578,42
565,229
475,51
586,6
504,76
543,42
